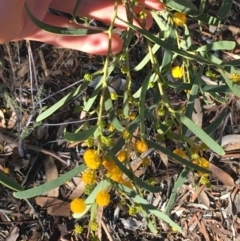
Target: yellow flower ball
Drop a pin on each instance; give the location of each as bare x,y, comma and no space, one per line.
141,146
126,183
122,155
179,19
180,153
177,72
203,162
77,205
6,170
92,159
89,177
103,198
115,173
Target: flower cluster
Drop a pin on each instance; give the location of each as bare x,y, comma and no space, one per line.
125,183
94,226
179,19
77,205
89,176
122,155
177,72
113,171
235,77
92,159
196,159
202,162
102,198
125,134
141,146
180,153
78,229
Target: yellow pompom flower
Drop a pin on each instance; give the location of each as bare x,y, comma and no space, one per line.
177,72
115,173
122,155
103,198
6,170
203,162
179,19
77,205
108,164
180,153
141,146
126,183
89,176
92,159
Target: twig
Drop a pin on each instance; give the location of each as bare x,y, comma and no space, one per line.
39,219
31,147
106,231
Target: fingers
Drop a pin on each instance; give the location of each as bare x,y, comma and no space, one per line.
152,4
103,10
93,44
11,13
39,10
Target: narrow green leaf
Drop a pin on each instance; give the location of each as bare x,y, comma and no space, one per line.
61,102
81,136
234,87
219,45
9,182
235,62
147,206
142,103
190,9
225,9
181,5
111,112
166,45
97,89
75,10
104,184
190,104
176,157
36,191
61,30
202,135
149,223
147,58
168,55
131,175
216,123
178,184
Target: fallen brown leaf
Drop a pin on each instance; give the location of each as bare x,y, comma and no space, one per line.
55,207
77,190
221,175
14,234
51,173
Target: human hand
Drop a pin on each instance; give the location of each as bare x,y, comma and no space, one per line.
16,25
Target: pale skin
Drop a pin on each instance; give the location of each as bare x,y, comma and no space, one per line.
16,25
